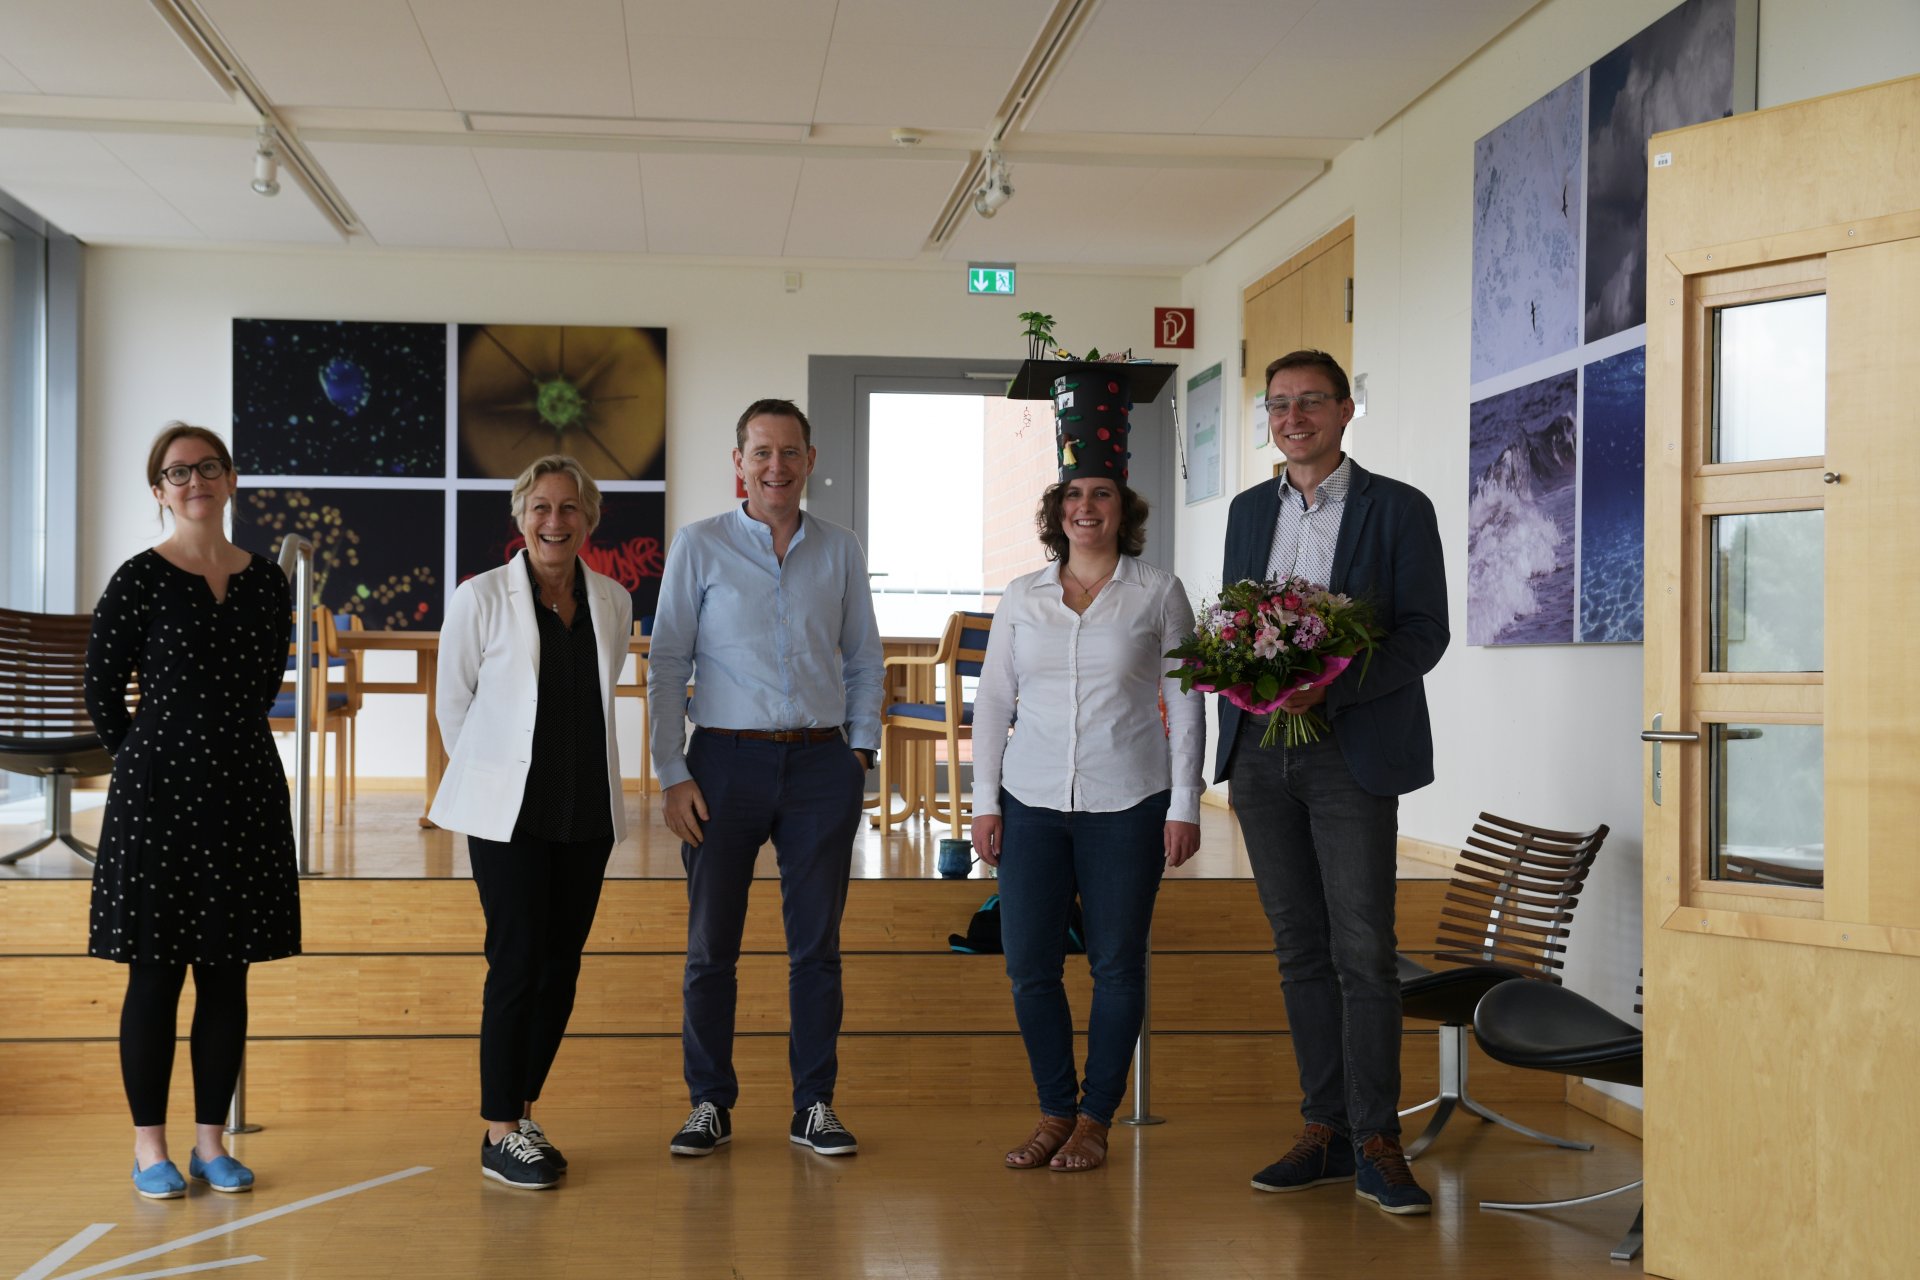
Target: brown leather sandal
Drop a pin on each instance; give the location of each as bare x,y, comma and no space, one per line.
1086,1149
1046,1139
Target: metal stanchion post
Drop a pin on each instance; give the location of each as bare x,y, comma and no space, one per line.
237,1109
1143,1052
297,552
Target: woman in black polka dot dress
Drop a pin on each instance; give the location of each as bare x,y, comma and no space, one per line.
197,861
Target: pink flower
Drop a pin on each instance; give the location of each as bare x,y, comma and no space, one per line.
1267,642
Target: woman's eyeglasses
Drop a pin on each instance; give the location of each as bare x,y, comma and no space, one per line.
209,469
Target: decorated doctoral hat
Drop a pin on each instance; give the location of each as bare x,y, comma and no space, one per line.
1090,407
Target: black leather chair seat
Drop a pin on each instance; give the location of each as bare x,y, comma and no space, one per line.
1451,994
81,754
1549,1028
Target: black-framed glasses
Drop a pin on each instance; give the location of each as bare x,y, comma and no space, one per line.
1309,402
209,469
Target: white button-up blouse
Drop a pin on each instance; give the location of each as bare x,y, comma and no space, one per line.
1088,736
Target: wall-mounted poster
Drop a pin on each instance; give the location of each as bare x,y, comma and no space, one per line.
1526,235
596,392
1613,462
628,545
378,553
339,397
1520,515
1677,72
1203,436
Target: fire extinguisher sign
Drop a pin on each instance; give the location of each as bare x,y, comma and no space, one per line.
1173,327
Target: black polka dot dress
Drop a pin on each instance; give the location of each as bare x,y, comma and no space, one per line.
196,854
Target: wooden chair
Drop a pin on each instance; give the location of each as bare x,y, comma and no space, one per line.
45,730
918,722
1510,900
329,701
349,663
1545,1027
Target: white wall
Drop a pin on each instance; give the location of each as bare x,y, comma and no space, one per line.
158,345
1545,734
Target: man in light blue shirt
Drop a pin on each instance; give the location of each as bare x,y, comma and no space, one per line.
766,611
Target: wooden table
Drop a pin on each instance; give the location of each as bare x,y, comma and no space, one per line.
425,648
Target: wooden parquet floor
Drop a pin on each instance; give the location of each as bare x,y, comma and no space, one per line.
925,1198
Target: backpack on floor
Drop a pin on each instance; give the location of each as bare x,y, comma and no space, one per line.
983,931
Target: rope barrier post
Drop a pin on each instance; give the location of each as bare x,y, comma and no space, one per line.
237,1109
1143,1052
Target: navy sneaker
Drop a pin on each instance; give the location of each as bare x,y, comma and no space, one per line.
819,1128
517,1162
1319,1156
1383,1177
709,1126
530,1130
222,1173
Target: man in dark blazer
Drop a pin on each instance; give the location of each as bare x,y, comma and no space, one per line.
1320,821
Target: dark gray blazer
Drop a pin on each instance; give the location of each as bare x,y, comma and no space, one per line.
1388,554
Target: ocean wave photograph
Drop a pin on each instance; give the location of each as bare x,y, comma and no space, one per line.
1521,463
1613,430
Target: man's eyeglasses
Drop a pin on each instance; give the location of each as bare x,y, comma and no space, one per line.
209,469
1310,402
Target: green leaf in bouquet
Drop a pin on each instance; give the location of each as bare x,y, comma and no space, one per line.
1266,686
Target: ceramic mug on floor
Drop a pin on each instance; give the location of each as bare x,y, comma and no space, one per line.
955,859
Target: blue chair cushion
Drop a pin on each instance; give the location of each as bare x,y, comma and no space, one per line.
284,705
935,711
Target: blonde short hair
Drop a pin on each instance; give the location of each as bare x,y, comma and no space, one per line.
589,491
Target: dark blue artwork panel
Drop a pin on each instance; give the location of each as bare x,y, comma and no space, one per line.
628,545
1677,72
339,398
1522,458
377,553
1613,464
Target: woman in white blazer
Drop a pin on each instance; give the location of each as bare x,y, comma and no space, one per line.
528,661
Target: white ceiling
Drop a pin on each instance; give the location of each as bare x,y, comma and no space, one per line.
1154,134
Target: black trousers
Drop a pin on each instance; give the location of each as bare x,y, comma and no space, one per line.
539,897
149,1020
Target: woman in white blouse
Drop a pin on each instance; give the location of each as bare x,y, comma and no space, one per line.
1090,795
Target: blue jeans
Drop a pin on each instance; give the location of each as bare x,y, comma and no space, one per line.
1114,861
1322,851
805,797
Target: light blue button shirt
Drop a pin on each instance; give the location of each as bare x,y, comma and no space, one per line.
766,644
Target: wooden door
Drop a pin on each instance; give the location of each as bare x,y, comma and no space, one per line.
1303,302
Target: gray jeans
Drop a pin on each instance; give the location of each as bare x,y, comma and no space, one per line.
1322,851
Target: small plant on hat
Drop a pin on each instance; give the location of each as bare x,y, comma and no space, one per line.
1038,333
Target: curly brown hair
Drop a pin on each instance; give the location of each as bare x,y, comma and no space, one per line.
1049,520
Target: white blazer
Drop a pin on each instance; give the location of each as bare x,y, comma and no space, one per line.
488,695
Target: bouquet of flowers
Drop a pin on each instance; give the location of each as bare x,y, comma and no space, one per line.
1261,642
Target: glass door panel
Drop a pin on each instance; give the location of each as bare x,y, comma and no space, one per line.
1770,380
1768,798
1768,608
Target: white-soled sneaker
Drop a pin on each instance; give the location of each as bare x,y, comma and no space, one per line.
708,1126
516,1162
819,1128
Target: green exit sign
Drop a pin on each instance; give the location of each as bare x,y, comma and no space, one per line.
990,277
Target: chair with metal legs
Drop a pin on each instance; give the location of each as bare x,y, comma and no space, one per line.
1548,1028
1509,902
45,730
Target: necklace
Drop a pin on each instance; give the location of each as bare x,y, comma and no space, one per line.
1086,592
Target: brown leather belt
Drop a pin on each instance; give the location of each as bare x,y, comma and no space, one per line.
775,735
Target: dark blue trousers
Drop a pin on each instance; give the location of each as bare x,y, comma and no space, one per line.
805,797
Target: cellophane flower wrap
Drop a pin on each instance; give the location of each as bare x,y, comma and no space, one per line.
1261,642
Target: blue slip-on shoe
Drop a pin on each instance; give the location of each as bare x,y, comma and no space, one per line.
222,1173
159,1181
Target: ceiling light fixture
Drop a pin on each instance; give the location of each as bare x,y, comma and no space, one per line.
995,190
266,165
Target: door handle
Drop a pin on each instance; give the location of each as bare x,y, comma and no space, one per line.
1656,735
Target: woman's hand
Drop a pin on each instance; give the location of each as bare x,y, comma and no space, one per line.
986,837
1182,840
